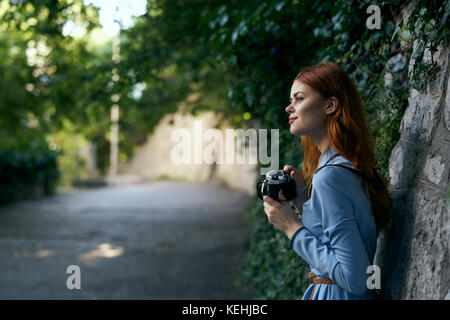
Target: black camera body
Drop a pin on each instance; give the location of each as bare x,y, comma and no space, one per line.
275,181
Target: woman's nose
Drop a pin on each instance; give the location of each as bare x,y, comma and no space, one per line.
289,108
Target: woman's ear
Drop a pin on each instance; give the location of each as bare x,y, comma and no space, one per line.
331,105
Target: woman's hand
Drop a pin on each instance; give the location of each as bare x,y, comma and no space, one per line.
281,215
297,175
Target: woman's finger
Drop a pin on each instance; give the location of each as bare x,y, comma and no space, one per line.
298,178
265,203
270,201
293,172
294,175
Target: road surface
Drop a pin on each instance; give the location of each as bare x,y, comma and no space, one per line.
159,240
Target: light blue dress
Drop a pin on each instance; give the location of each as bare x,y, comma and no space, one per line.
338,238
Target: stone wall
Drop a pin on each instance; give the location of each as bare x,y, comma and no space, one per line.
153,160
413,254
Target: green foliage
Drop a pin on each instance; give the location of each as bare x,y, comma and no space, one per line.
50,79
428,26
25,166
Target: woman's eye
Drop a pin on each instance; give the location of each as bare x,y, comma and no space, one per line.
298,99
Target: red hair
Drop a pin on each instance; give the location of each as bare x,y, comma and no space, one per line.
348,133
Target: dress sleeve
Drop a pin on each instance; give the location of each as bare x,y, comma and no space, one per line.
344,260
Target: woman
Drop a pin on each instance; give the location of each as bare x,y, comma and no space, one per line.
339,214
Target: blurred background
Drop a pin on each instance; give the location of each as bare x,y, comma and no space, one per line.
92,90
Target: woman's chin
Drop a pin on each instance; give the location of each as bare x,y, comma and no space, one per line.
295,131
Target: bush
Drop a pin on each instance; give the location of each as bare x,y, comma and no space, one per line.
23,167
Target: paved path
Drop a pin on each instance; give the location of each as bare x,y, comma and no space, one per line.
161,240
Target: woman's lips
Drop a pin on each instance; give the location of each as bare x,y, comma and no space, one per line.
292,120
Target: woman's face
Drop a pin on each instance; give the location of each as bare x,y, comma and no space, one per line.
307,111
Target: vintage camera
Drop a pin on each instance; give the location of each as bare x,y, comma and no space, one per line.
275,181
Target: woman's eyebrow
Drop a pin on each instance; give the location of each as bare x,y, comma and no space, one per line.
296,93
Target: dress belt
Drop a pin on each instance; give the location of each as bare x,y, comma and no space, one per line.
316,280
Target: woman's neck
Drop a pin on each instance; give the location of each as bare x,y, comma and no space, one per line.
321,140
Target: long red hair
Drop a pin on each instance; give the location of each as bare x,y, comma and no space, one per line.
348,133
